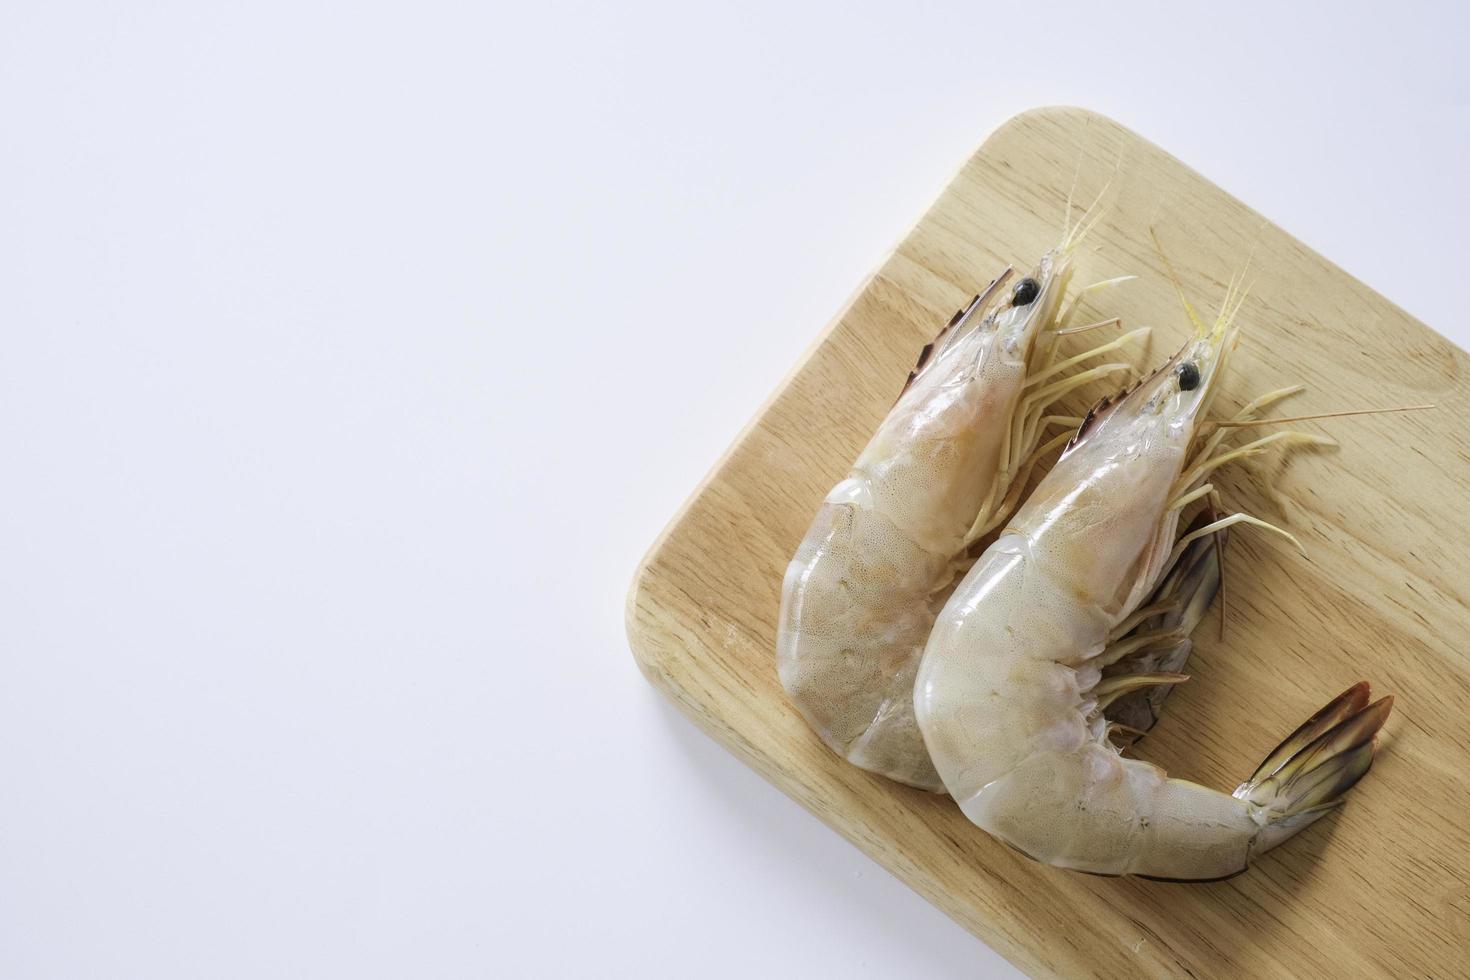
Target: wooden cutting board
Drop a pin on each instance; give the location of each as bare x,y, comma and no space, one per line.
1382,886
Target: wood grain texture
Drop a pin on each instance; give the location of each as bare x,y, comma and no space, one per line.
1380,887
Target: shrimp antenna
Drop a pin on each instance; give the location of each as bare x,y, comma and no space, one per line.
1071,191
1246,423
1235,296
1227,312
1073,236
1089,219
1194,316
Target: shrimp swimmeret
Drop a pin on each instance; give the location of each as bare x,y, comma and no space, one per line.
945,468
1011,694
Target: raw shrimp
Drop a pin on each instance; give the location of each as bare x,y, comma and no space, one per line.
944,468
1011,692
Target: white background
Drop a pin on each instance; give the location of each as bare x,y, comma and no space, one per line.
354,353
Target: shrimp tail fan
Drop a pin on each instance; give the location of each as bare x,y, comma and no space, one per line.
1308,773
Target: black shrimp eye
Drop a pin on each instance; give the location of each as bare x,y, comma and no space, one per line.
1188,376
1026,292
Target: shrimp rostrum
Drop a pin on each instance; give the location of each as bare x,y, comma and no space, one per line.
1032,647
945,467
